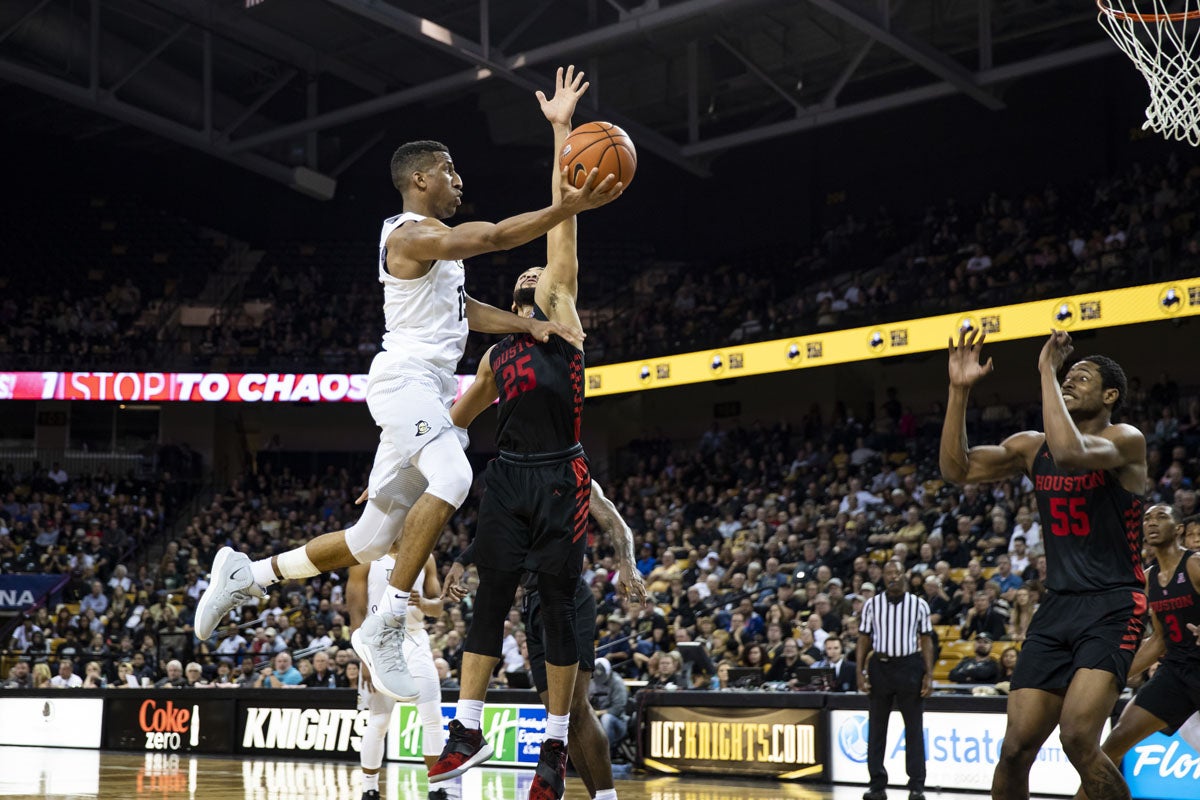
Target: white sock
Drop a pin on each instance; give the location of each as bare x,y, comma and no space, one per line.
556,726
469,714
370,782
263,573
606,794
395,600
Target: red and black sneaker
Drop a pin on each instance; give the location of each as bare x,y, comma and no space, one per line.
550,777
464,749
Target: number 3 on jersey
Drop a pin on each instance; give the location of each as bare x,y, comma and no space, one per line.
516,377
1069,516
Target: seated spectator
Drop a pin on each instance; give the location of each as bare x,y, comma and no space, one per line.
92,677
322,675
41,676
979,668
19,676
97,601
66,677
445,678
174,678
609,697
786,667
983,618
284,674
845,677
1009,581
125,677
23,636
233,643
668,671
194,675
1008,663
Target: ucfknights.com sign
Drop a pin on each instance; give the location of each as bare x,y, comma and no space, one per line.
782,742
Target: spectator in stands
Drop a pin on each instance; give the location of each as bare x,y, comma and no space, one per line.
139,668
284,674
41,676
667,672
445,679
323,676
845,678
786,667
120,581
174,678
23,636
194,675
233,642
66,677
125,676
97,601
980,667
93,677
983,619
609,697
1028,529
19,676
1019,555
1009,581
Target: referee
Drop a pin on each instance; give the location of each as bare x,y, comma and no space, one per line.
896,664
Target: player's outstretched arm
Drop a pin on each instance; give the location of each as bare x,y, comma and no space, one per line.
433,240
558,288
1117,447
959,462
483,318
629,581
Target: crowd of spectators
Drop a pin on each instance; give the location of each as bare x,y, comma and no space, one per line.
316,305
759,544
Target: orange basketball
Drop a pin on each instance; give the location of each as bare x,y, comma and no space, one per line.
599,145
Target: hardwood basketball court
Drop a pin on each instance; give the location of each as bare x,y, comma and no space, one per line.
36,772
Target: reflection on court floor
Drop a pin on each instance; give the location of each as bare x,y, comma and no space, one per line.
35,772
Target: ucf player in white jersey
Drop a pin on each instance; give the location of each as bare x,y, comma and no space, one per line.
420,475
365,586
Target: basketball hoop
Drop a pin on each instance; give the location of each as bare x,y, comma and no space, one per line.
1161,39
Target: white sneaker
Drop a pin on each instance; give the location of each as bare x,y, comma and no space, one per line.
230,585
379,642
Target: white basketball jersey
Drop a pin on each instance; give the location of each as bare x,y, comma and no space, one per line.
377,582
426,317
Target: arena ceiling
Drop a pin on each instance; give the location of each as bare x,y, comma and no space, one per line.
298,90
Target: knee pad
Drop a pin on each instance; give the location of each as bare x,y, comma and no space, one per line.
372,740
372,536
433,734
558,618
493,599
446,468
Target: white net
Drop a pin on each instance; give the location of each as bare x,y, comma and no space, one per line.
1161,39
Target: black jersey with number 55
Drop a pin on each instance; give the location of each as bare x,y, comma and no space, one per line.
1176,605
541,393
1091,528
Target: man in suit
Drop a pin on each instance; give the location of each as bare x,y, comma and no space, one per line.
844,676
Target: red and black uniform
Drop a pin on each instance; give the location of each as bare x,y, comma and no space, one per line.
534,512
1173,694
1091,617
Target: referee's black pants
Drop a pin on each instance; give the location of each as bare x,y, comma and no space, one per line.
896,680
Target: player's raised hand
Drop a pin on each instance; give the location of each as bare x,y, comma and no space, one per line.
594,192
1055,351
965,367
569,86
1195,629
543,330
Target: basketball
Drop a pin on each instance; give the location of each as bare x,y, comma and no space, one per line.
599,145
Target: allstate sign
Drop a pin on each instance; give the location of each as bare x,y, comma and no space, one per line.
1163,768
961,751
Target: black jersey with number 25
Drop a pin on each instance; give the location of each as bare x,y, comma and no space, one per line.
1091,528
1176,605
541,392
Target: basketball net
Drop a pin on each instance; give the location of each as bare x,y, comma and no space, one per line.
1161,39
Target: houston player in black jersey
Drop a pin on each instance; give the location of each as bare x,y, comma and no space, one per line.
534,512
1173,694
1089,475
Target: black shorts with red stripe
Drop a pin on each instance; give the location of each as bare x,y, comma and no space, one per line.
1069,632
534,513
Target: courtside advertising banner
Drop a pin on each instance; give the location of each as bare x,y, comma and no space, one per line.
961,751
314,722
168,723
60,721
783,743
514,731
1163,768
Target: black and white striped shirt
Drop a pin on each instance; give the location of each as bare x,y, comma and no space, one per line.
895,628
